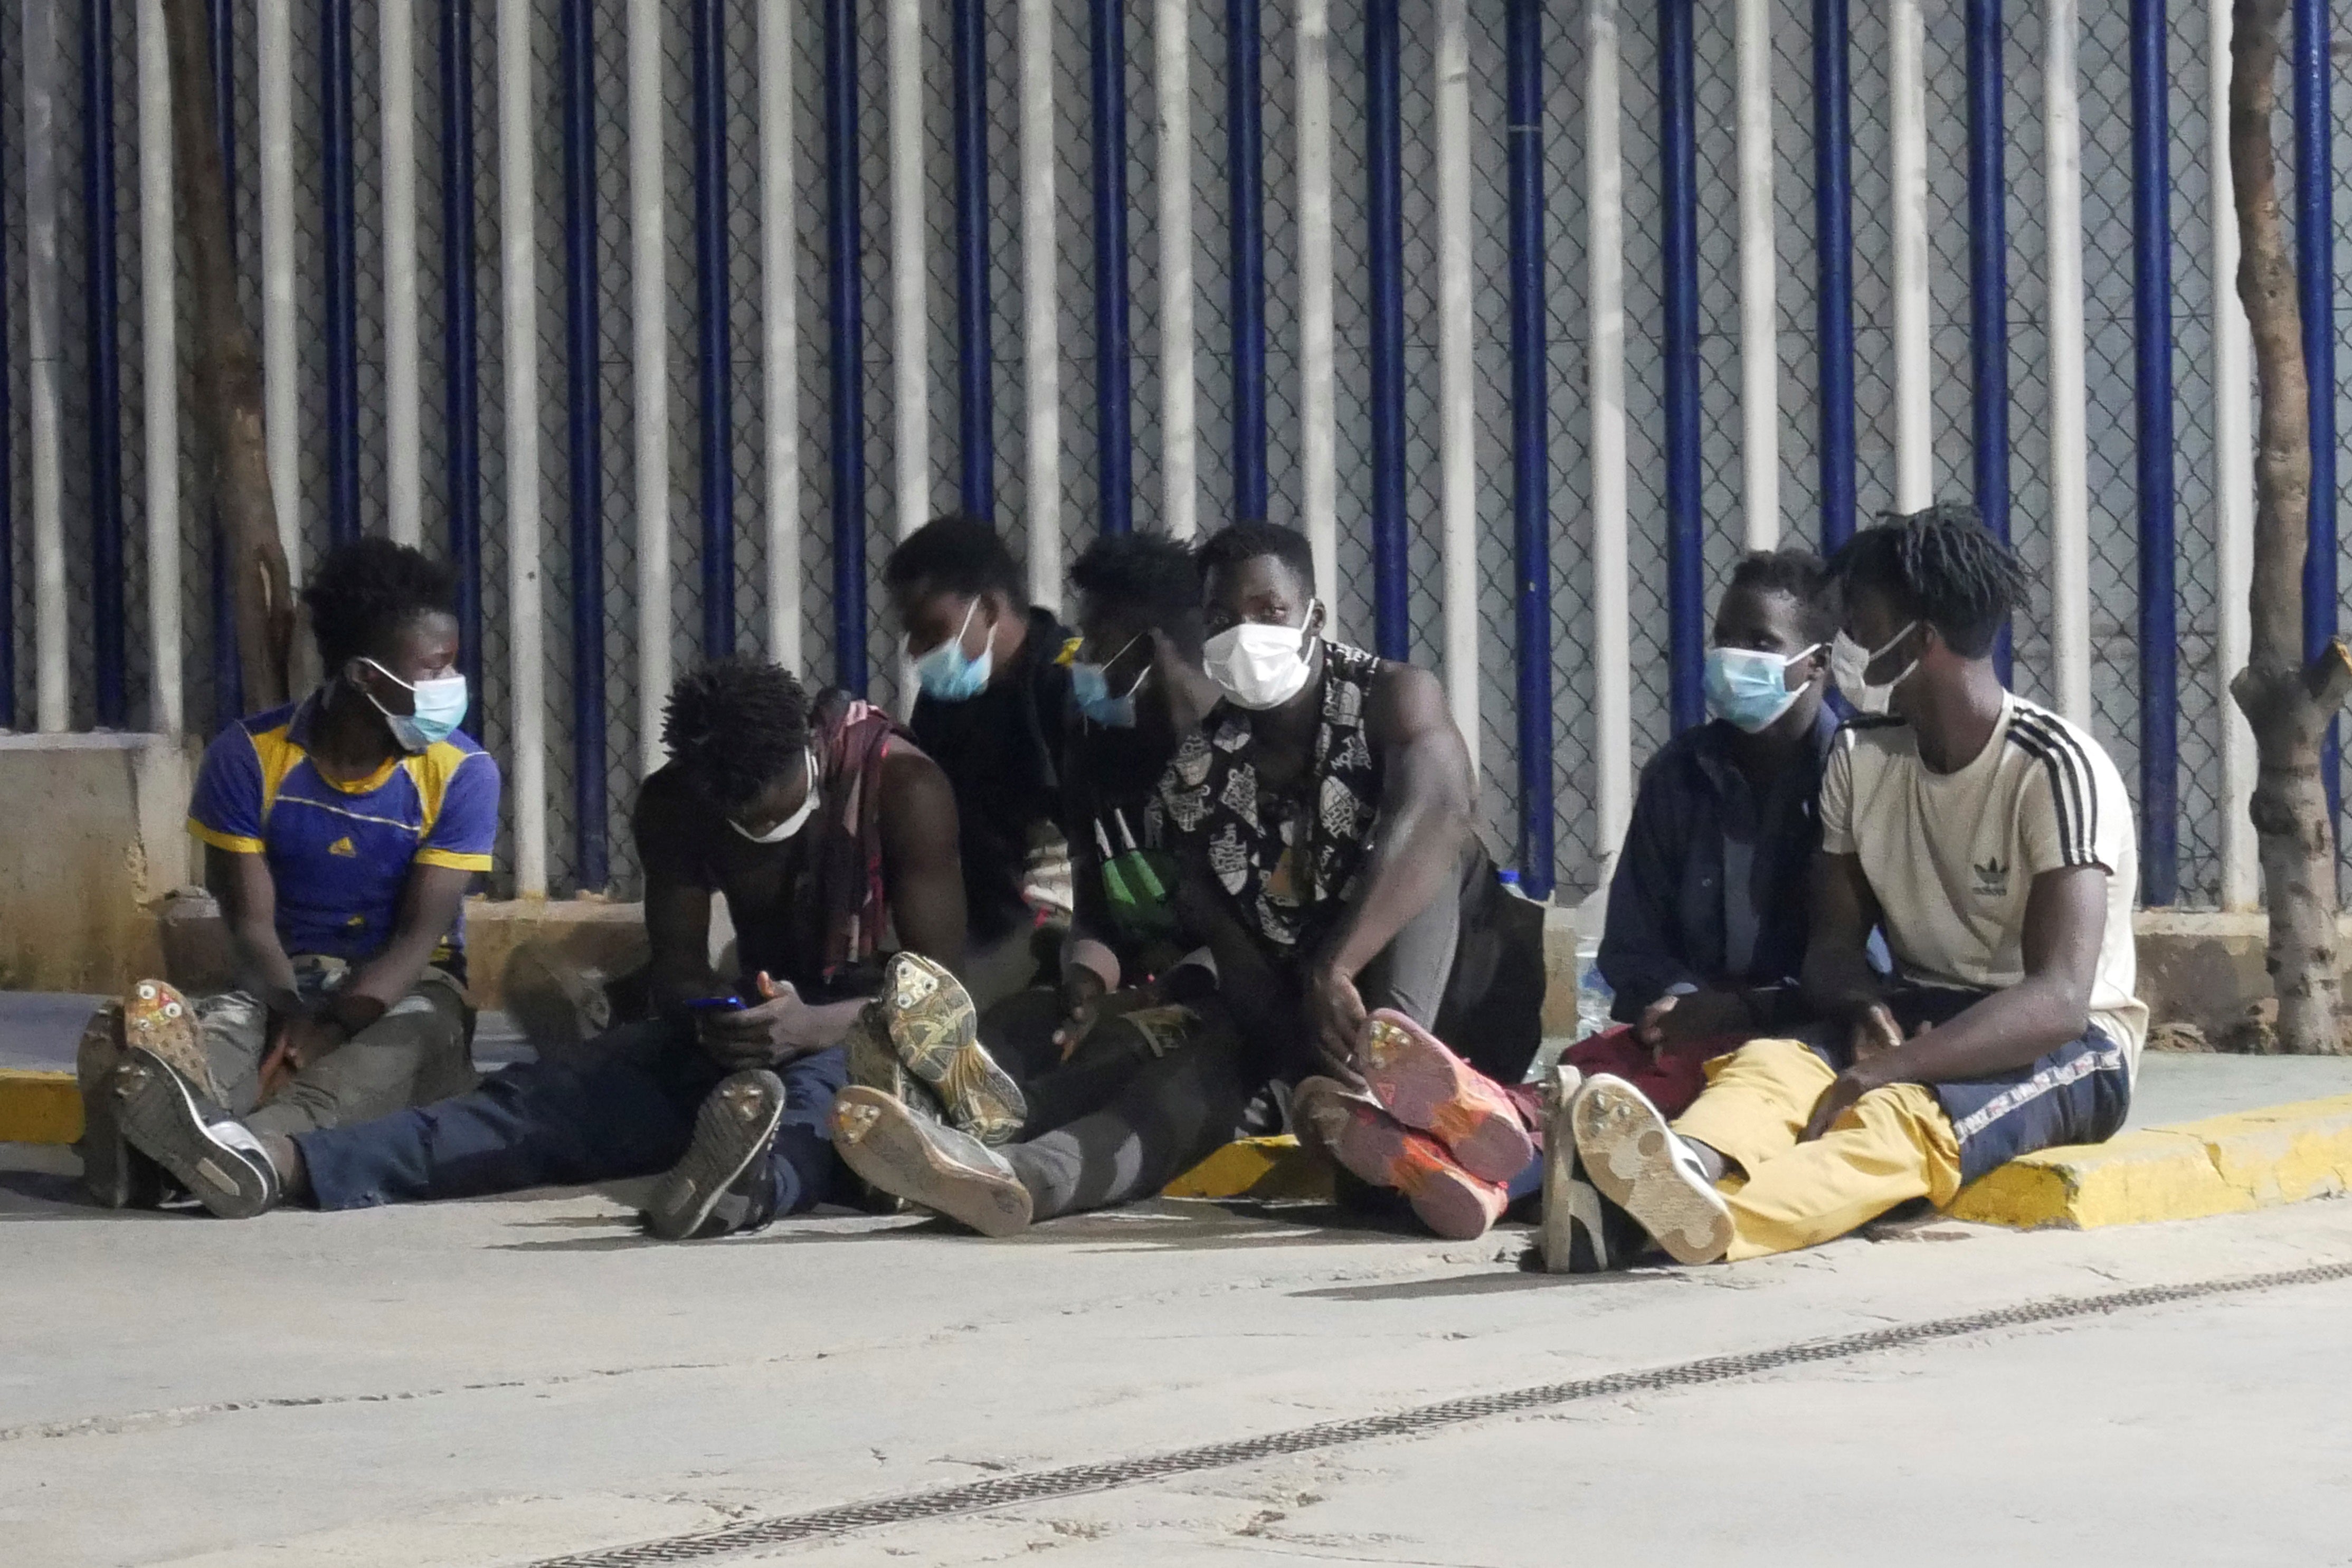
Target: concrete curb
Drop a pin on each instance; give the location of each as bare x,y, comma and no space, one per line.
39,1107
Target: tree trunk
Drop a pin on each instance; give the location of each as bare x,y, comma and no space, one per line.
2287,703
227,375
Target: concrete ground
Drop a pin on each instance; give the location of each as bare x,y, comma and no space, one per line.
504,1381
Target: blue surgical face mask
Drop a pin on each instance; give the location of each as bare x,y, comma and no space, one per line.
440,704
1090,684
952,675
1750,689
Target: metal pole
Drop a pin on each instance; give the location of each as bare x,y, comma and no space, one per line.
342,305
1685,543
519,307
44,355
1759,271
1107,70
648,112
2315,270
280,368
1915,472
1457,426
1245,178
8,482
846,345
404,465
1988,277
1833,226
1530,439
712,315
2233,485
1040,348
2152,334
228,672
1319,459
910,272
160,338
100,326
2070,485
780,365
1179,418
584,425
975,358
1384,261
460,353
1613,632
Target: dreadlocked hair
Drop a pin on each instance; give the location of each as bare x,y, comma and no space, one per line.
1942,565
1149,574
735,724
367,591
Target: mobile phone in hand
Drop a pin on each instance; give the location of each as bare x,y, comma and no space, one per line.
728,1004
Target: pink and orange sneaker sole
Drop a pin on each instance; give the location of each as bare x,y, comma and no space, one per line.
1369,1144
1430,1090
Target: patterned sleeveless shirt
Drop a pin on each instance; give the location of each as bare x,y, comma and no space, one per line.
1286,862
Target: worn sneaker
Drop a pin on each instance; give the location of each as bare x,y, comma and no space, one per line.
722,1185
1629,1152
1582,1232
156,1017
1366,1141
210,1153
934,1029
1429,1089
928,1163
117,1176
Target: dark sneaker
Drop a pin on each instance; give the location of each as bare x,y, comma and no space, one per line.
1625,1147
934,1029
930,1165
209,1152
117,1176
1429,1089
1371,1145
723,1186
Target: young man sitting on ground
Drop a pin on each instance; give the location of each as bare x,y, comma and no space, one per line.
1705,943
824,827
1993,842
340,835
995,688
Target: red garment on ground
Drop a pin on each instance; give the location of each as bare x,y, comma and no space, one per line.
1671,1078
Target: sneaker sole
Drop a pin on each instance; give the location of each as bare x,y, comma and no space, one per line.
1427,1087
156,1017
732,1129
1622,1144
160,1117
1449,1201
934,1029
116,1175
879,1140
1570,1242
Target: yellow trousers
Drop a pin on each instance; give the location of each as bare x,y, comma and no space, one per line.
1891,1145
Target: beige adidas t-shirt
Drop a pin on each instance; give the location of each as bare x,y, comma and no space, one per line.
1950,856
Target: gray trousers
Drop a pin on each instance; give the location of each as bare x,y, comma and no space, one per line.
420,1051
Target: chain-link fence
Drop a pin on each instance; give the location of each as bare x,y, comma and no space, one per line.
2110,347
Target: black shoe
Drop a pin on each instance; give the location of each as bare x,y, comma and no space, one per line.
210,1153
117,1176
723,1185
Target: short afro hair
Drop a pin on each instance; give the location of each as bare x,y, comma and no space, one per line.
1802,576
1149,574
367,591
735,724
1238,542
1942,565
959,554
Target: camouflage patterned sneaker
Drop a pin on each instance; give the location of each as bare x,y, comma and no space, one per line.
929,1165
873,1063
933,1030
117,1175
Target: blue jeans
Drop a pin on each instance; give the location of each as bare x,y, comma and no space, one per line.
625,1111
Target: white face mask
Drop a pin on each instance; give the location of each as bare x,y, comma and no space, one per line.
791,824
1260,666
1850,661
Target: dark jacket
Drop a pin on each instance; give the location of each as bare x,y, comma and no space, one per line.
1666,926
1001,752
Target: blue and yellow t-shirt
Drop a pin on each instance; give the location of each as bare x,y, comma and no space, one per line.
340,853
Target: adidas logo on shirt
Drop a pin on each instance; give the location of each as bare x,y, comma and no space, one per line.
342,847
1992,879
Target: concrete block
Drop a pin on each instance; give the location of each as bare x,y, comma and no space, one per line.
96,839
39,1107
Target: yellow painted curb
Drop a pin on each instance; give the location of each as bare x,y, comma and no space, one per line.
39,1107
2225,1165
1256,1167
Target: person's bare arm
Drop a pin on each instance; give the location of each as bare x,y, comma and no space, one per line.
1417,842
2065,918
248,896
1839,983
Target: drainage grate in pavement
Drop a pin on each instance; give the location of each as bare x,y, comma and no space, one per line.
1002,1491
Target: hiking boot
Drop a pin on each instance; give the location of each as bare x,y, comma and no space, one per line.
927,1164
934,1031
1626,1149
1429,1089
208,1151
1371,1145
722,1185
117,1176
